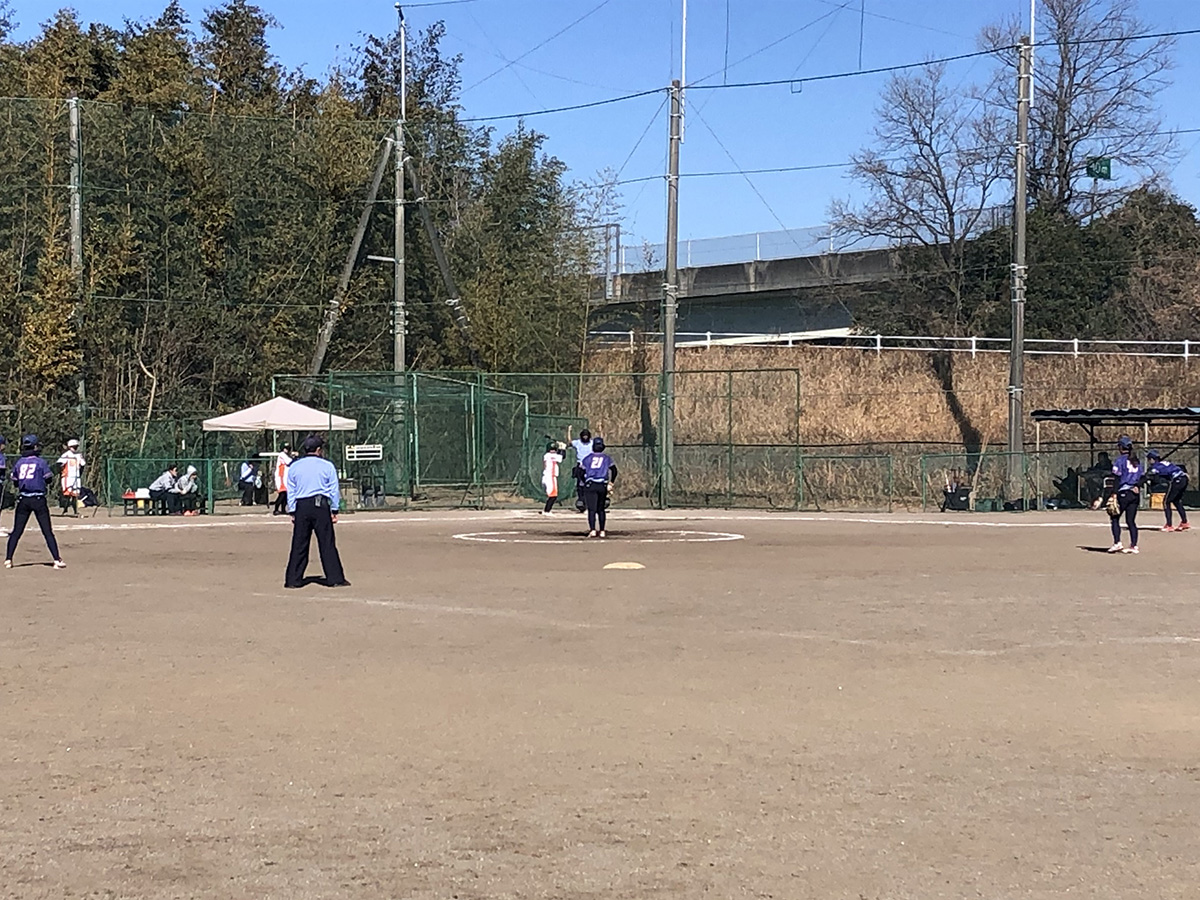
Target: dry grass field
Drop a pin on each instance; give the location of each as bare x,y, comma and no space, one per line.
835,396
812,707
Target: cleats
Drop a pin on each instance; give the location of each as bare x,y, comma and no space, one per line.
1167,528
1130,550
8,564
1116,548
1184,526
59,564
602,534
592,534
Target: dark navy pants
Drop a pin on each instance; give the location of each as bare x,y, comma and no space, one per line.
313,516
1174,498
1128,502
32,505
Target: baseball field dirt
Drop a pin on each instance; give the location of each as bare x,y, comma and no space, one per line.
787,706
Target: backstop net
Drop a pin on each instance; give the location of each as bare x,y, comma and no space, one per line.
425,439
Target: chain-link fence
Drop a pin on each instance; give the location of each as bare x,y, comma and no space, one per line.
743,439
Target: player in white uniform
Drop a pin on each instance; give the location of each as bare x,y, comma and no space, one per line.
551,461
72,463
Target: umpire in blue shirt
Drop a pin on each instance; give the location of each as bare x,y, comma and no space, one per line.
313,500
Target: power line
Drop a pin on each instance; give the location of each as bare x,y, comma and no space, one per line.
773,43
1117,40
812,79
645,131
561,109
824,34
746,176
875,15
838,75
776,170
536,47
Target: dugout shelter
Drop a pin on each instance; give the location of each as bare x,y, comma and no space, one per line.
1182,421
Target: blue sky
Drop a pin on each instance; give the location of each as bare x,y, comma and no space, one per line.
528,55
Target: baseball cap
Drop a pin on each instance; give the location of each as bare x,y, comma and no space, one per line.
1153,454
73,442
312,443
598,444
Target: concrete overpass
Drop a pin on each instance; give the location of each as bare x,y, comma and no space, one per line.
799,293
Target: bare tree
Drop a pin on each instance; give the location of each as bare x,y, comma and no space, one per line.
1095,87
932,177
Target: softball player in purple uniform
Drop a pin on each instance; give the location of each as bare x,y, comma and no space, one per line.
597,471
1128,474
32,476
1177,482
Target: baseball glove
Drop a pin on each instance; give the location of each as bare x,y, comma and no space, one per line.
1112,507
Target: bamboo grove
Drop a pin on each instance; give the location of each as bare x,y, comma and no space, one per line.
219,198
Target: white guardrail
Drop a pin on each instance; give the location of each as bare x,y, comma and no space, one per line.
841,337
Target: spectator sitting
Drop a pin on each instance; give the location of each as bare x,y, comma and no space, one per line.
164,489
249,480
188,489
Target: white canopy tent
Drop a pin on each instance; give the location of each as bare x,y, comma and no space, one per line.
280,414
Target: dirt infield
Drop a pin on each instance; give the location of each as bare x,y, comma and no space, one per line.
824,707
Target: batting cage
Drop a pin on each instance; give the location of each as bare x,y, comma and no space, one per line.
426,439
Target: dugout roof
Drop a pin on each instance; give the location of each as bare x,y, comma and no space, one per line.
1149,415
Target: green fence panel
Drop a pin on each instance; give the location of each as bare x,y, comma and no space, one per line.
845,483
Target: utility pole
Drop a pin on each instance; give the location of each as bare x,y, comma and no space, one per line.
1016,353
75,143
76,195
399,317
666,427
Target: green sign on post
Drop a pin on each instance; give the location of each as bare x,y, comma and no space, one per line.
1100,167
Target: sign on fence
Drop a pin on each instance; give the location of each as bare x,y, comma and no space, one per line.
364,452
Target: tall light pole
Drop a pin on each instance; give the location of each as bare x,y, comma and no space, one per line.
666,424
670,299
399,323
1016,354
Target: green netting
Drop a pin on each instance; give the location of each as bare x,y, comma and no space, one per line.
477,439
442,440
846,482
